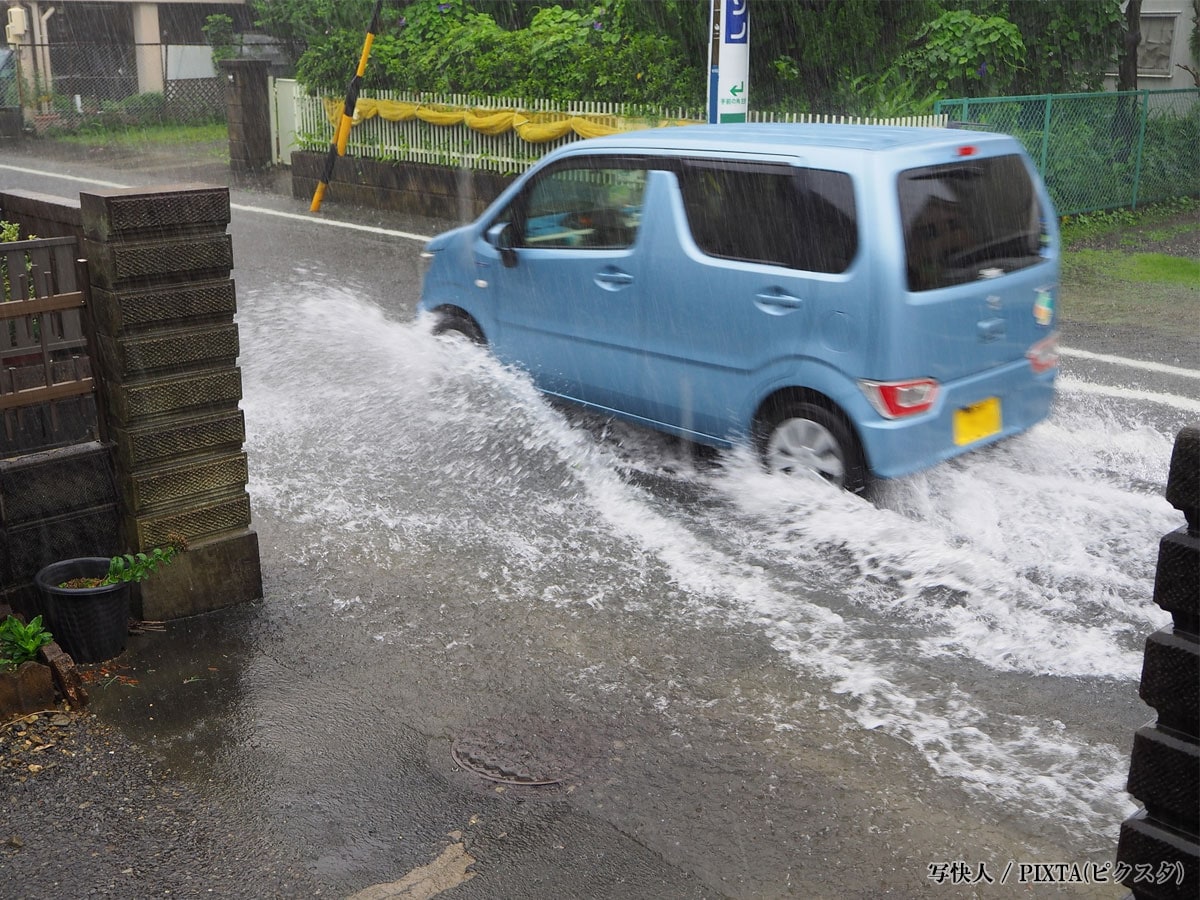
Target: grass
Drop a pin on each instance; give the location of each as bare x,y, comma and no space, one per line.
134,136
1106,282
1158,268
1157,220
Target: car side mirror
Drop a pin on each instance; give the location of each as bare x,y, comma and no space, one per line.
500,237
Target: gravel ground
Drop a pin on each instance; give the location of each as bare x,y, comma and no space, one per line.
87,814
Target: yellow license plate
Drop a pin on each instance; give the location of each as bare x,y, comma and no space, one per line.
974,423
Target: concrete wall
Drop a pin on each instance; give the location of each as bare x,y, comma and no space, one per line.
44,215
419,188
248,109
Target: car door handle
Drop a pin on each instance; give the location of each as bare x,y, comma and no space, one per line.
613,279
777,303
991,330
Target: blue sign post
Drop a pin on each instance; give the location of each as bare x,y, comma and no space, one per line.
729,61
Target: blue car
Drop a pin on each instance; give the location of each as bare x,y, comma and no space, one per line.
854,301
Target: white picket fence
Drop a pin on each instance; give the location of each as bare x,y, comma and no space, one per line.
458,145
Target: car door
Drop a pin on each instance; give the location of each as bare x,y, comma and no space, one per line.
562,263
764,251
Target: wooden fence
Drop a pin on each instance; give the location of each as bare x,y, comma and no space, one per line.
43,343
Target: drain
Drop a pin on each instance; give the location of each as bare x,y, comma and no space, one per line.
511,756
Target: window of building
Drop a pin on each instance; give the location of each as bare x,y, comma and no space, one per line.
1154,50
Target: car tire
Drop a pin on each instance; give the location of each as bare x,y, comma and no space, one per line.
458,324
795,437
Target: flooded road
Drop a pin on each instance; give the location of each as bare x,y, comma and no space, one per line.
738,685
976,636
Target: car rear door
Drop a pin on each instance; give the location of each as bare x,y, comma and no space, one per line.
981,282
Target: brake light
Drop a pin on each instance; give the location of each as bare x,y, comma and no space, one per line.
1043,355
966,150
896,399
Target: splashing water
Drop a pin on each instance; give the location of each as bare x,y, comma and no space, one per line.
1032,559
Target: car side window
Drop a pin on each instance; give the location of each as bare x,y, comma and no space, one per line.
589,204
771,213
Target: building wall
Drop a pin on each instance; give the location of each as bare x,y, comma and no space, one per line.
1166,31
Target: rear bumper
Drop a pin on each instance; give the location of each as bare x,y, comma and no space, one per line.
903,446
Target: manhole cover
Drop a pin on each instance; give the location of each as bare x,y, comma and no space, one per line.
510,755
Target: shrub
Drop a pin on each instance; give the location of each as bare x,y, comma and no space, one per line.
20,643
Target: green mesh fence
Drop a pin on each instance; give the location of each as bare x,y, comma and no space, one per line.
1099,151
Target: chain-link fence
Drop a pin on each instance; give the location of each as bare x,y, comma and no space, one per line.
81,81
1099,151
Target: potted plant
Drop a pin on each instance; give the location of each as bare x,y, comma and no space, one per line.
87,600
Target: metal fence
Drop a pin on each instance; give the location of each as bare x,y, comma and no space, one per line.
87,79
415,140
1101,150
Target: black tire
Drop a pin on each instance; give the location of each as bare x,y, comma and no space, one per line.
795,437
451,323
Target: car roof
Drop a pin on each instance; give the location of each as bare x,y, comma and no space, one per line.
784,138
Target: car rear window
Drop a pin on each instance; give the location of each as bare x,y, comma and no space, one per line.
971,219
771,213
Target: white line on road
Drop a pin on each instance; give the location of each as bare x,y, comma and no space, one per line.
1074,385
111,184
1161,368
373,229
240,207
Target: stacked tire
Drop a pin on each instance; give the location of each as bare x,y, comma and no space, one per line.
1158,853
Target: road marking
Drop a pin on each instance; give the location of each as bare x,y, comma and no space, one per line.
1130,363
240,207
111,184
372,229
1072,385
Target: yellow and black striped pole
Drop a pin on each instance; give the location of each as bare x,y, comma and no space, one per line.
342,134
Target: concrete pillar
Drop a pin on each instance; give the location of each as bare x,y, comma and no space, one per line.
248,102
167,347
34,56
147,39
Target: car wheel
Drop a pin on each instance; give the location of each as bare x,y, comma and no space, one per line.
802,438
459,324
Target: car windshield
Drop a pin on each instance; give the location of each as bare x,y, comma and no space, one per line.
967,220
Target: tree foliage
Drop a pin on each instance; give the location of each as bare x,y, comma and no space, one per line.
856,56
218,31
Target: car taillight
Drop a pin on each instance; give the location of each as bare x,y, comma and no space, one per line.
1043,355
896,399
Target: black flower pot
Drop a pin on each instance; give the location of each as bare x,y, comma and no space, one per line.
90,623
